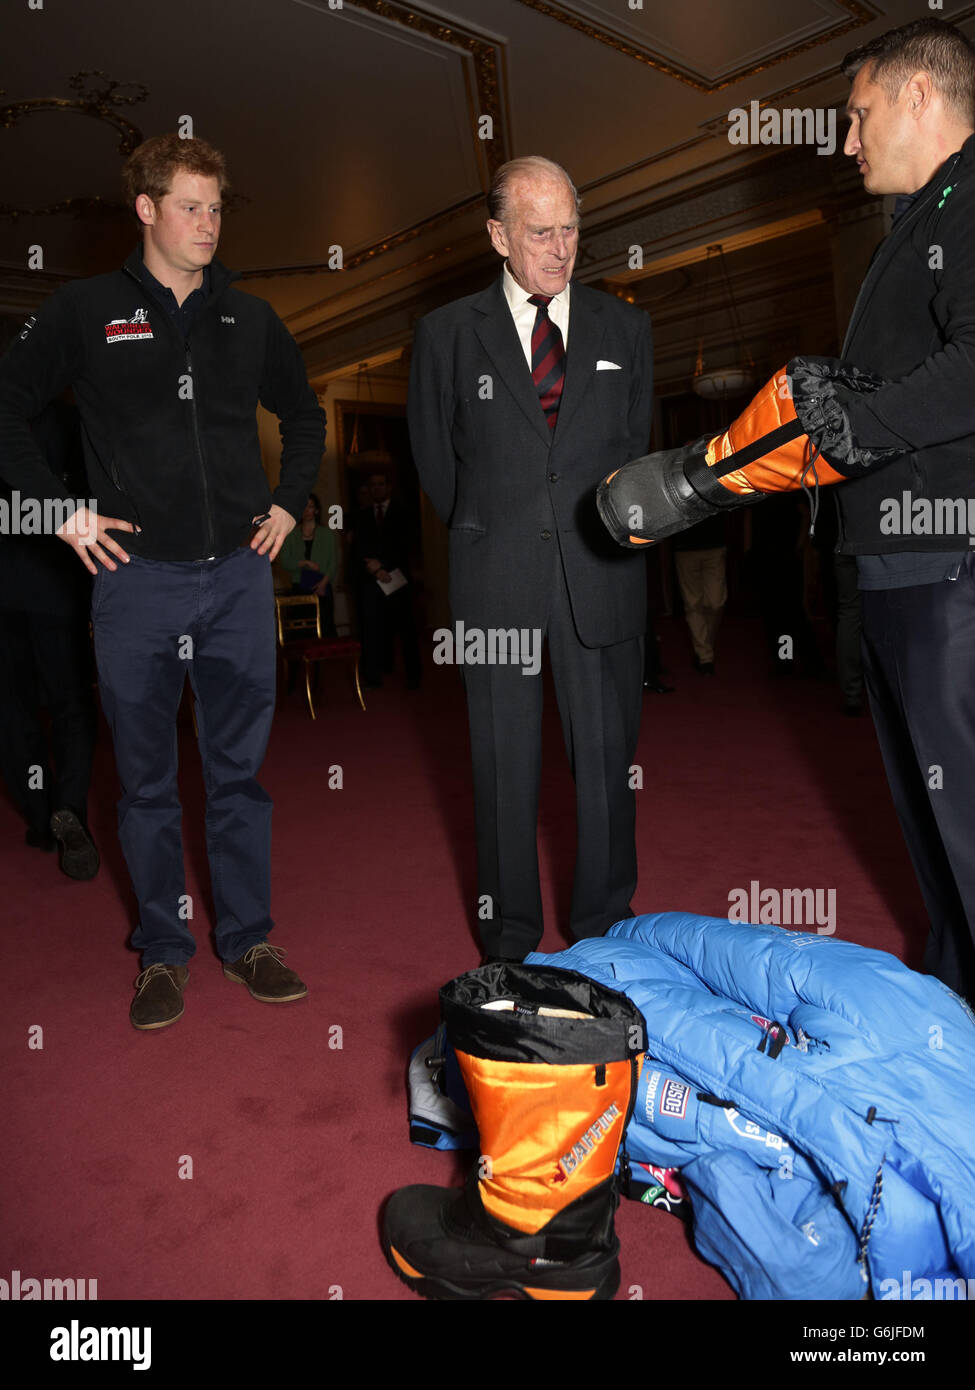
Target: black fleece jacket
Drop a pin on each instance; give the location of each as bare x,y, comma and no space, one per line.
914,324
170,429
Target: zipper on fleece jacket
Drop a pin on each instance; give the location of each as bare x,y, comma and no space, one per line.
898,227
211,544
200,455
114,474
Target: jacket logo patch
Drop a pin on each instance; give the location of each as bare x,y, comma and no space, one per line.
673,1099
135,329
227,318
748,1129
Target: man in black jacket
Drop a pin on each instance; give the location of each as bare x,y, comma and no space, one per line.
521,398
45,660
911,110
168,363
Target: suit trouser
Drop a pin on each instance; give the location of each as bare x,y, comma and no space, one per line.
381,617
45,659
702,575
155,623
849,663
919,668
599,692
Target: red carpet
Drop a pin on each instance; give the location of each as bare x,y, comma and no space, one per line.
294,1117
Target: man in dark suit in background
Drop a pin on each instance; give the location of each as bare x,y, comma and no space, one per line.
45,660
381,543
521,399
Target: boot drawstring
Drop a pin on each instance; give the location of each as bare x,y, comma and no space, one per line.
814,495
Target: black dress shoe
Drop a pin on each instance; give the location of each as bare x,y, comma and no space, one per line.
79,857
658,687
41,839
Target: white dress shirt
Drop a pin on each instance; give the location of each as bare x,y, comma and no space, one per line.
524,313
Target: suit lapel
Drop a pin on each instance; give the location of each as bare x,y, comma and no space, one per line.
496,329
586,328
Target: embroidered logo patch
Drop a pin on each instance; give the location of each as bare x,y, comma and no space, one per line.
673,1099
135,329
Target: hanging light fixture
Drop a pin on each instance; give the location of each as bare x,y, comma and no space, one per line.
365,460
720,383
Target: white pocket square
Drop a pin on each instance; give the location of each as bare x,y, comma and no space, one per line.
603,366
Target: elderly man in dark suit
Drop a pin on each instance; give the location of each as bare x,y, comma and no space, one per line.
521,399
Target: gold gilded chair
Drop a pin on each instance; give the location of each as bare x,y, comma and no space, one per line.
300,639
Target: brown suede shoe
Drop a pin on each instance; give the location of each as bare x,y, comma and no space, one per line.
260,969
158,1000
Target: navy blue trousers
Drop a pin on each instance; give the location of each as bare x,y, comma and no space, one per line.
919,667
156,622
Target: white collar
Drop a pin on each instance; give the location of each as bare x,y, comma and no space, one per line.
518,297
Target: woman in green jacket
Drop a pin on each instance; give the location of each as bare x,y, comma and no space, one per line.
310,557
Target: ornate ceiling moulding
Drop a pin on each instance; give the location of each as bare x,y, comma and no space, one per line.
73,207
858,13
486,56
378,248
640,164
715,127
98,96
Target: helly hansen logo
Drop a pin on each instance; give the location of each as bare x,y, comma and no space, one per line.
673,1099
594,1135
227,318
134,330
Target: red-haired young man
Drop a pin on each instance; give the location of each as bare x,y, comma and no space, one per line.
168,362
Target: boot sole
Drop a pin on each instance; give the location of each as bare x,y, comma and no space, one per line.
620,532
150,1027
265,998
439,1289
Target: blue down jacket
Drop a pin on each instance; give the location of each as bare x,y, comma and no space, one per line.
818,1098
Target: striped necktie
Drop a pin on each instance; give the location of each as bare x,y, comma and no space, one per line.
548,359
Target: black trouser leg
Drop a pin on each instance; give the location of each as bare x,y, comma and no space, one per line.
919,668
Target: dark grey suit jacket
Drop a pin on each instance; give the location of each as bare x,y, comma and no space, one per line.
507,488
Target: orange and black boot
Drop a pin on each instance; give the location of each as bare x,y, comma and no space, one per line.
551,1061
797,426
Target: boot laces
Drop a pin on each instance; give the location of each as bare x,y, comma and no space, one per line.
255,953
150,973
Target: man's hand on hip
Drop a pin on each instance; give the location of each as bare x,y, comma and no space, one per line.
271,531
87,534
